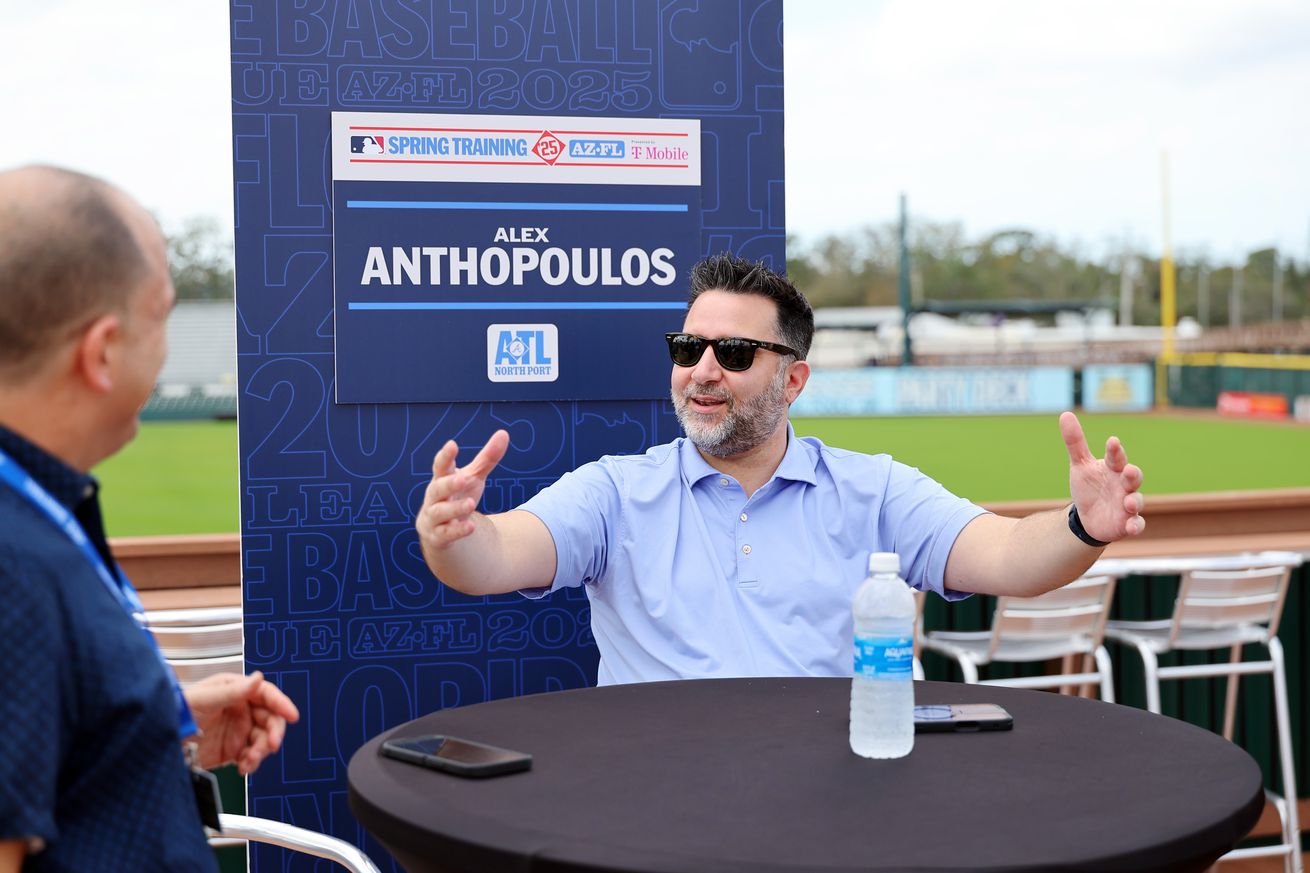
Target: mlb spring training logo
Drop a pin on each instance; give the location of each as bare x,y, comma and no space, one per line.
503,147
455,147
431,147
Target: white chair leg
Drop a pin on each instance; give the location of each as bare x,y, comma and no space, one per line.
1106,669
1292,824
1230,700
969,669
1151,669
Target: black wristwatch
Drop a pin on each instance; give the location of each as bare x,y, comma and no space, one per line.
1076,525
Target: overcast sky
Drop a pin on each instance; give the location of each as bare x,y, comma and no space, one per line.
1051,116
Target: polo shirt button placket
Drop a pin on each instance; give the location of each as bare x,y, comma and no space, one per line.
746,569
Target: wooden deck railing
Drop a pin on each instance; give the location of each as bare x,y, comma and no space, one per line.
1190,524
176,572
205,569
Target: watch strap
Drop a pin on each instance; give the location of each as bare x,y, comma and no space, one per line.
1076,525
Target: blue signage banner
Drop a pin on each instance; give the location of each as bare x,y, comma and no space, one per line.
936,391
541,246
1118,388
341,409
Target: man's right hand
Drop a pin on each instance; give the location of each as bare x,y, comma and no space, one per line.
12,853
453,494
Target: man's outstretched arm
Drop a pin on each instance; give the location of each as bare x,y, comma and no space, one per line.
476,553
1029,556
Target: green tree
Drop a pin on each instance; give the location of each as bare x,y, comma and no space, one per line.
861,268
200,254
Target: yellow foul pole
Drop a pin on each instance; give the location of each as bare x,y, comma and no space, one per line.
1168,296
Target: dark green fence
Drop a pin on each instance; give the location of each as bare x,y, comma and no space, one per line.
192,406
1199,386
232,787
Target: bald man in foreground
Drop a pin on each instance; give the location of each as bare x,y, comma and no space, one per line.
94,730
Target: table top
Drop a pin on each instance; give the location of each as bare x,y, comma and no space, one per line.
738,775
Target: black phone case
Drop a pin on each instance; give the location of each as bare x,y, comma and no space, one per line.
946,726
963,725
457,768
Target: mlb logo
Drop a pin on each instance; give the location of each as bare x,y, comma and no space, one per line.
367,145
522,352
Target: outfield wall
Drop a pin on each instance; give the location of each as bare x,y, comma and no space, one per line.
974,390
1199,380
860,391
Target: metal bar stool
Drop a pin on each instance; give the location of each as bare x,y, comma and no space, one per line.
198,643
242,828
1063,623
1227,610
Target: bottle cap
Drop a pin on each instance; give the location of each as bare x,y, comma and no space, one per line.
884,562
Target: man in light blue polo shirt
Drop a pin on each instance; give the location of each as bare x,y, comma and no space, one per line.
736,550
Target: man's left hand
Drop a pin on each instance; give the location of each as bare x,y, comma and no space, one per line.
1104,490
242,719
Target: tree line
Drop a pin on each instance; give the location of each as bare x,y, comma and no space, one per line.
200,255
862,267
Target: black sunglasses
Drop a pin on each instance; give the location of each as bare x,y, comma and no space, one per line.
734,353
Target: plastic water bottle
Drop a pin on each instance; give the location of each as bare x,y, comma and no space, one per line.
882,691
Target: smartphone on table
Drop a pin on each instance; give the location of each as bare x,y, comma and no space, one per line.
961,717
458,756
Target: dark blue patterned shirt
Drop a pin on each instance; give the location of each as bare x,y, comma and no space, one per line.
90,761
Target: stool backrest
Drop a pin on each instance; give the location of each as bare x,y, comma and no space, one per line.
199,642
1077,612
1209,599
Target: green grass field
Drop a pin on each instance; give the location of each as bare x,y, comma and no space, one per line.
181,477
1023,457
176,477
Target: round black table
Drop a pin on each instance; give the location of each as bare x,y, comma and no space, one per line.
756,776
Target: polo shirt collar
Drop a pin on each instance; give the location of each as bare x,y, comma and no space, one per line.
70,487
797,463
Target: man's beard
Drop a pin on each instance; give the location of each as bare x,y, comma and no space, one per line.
745,425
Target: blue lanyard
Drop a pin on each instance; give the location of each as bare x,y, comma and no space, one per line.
24,485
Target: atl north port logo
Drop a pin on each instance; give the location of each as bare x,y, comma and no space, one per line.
522,353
